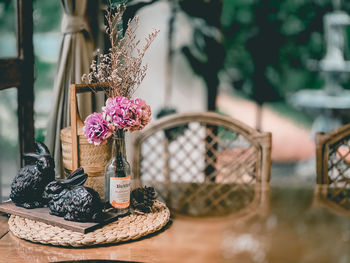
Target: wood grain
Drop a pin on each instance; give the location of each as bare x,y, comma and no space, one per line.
26,88
3,224
42,215
76,121
293,230
74,118
10,73
185,240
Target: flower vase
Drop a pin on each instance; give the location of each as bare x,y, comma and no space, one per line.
117,177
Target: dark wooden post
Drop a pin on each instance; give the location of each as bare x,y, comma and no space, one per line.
26,88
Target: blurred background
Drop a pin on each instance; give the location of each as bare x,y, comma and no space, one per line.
245,58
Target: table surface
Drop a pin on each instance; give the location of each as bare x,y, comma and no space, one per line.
288,224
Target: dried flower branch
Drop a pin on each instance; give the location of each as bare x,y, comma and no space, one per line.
122,66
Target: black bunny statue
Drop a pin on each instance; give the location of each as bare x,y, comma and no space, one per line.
73,201
28,185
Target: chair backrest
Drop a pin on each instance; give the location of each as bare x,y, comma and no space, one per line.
333,157
333,166
202,163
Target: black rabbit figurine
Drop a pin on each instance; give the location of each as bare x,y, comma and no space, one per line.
29,184
73,201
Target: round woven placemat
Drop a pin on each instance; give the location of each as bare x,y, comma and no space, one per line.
125,228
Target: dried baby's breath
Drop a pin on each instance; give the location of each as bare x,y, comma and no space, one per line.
122,66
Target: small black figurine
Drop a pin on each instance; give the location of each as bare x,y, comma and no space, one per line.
73,201
29,184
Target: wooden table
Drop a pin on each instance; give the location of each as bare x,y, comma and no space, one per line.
293,224
183,240
3,225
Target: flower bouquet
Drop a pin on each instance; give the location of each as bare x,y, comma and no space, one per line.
120,114
122,69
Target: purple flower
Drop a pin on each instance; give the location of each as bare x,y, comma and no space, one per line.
117,110
140,114
97,129
119,113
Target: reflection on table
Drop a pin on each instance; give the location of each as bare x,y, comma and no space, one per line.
211,199
297,229
336,199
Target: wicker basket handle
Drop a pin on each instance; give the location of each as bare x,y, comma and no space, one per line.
75,120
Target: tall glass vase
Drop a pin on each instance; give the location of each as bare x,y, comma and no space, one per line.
117,175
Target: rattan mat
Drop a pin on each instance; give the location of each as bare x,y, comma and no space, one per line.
126,228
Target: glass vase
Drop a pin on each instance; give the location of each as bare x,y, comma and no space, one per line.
117,176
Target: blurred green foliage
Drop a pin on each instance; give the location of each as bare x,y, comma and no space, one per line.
7,16
47,16
269,43
265,48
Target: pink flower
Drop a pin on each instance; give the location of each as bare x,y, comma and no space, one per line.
140,114
97,129
117,110
119,113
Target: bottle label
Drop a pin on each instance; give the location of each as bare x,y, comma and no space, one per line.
119,194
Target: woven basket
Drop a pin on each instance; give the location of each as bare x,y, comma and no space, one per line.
93,158
77,151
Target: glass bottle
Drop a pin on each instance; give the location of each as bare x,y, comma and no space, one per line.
117,176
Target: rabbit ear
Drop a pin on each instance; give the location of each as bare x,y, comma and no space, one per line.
80,170
41,148
76,180
30,156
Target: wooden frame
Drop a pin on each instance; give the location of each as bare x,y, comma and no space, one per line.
75,119
323,144
260,140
